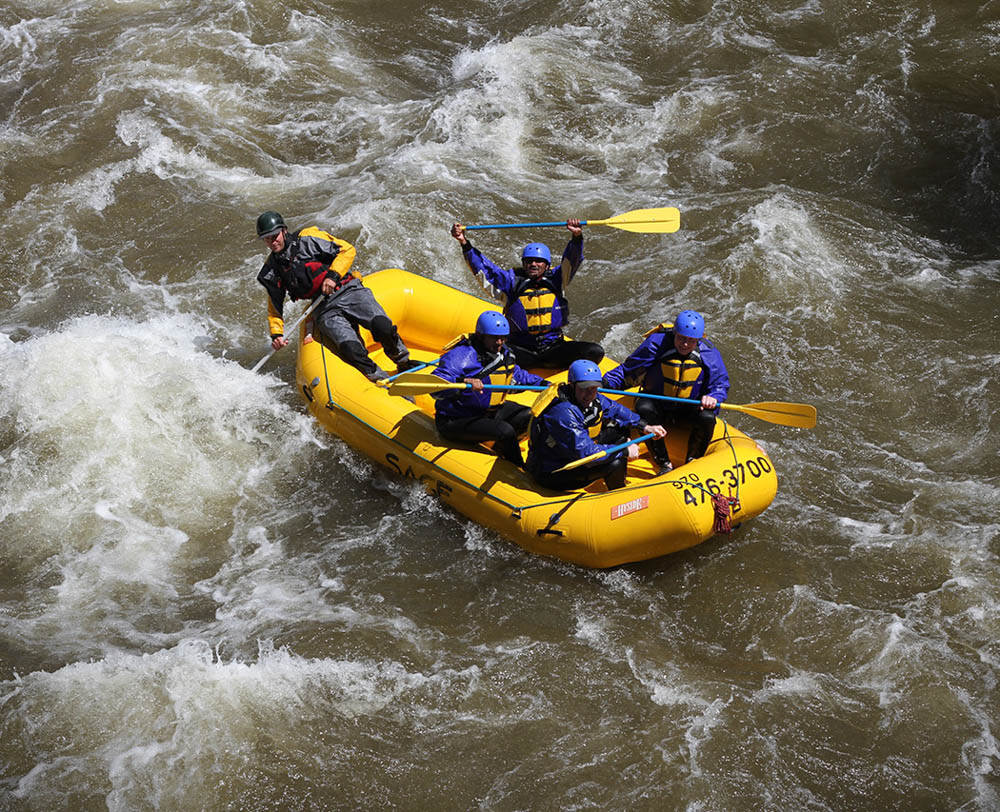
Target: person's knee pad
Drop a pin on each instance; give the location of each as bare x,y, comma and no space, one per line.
706,422
353,352
595,353
701,434
327,342
383,329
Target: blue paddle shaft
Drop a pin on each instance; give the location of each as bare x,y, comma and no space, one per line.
521,225
513,387
411,369
642,439
650,396
510,387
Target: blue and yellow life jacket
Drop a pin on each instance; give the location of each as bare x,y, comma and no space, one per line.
680,373
498,372
539,301
468,360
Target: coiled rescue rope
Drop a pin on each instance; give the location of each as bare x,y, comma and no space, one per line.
725,506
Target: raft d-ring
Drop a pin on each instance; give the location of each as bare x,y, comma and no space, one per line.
307,389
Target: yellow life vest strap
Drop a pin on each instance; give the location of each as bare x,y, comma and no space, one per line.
662,327
680,374
455,342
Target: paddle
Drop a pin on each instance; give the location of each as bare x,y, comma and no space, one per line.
798,415
295,324
386,381
424,383
453,343
596,456
642,221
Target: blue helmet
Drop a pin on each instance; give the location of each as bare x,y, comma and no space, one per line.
536,250
491,323
583,370
690,324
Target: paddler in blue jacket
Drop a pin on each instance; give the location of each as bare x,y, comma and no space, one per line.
478,414
677,360
308,263
578,423
534,299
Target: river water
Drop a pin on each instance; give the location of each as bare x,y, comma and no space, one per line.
207,603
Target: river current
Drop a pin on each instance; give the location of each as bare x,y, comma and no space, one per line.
208,603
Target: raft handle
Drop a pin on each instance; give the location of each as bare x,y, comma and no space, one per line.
307,389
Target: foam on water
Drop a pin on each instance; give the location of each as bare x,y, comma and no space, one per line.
181,724
800,261
122,441
19,46
162,511
159,155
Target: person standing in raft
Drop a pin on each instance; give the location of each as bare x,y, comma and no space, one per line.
310,262
677,360
580,422
478,414
534,299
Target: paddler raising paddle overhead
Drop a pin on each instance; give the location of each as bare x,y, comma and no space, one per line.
534,299
678,361
310,262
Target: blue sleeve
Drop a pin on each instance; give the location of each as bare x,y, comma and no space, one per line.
496,281
451,368
571,259
524,378
718,375
621,415
631,373
570,433
615,378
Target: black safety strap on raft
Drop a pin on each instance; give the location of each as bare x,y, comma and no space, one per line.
555,517
326,377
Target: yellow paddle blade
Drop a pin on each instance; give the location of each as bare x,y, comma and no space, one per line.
798,415
598,454
644,221
569,466
421,383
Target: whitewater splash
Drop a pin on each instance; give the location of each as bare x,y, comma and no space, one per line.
123,442
198,591
180,727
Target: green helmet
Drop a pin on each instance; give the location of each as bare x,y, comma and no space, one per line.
270,222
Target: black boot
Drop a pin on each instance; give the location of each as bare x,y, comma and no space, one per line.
407,363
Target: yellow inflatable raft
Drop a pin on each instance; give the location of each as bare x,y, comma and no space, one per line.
652,516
